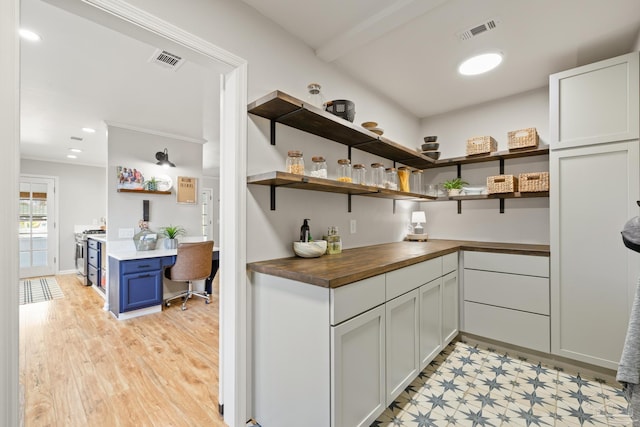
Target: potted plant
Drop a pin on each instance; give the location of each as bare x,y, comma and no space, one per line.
171,234
454,186
151,184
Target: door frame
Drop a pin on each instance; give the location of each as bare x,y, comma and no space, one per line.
55,233
233,296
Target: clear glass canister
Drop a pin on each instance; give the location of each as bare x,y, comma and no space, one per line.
315,96
295,162
403,178
391,179
334,243
377,175
318,167
359,174
344,170
416,182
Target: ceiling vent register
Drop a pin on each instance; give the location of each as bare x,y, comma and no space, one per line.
166,59
478,29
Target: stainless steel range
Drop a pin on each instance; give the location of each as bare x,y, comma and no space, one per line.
81,252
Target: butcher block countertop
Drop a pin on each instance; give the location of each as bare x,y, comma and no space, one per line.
333,271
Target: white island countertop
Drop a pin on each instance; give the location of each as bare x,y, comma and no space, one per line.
124,250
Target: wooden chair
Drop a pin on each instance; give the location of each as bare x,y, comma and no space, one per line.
193,262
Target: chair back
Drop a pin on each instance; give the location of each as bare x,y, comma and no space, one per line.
193,261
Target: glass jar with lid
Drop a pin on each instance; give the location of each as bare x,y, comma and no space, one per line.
416,182
344,170
295,162
403,178
315,97
359,174
318,167
391,179
377,175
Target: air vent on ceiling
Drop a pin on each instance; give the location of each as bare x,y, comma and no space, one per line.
476,30
166,59
76,138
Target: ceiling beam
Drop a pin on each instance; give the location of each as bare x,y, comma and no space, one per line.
398,13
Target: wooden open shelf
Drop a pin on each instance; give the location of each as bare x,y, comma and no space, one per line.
126,190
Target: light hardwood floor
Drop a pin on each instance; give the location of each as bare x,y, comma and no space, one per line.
79,366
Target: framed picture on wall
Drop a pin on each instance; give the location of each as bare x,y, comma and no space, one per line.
186,190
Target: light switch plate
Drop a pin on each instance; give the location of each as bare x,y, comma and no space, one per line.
125,232
352,226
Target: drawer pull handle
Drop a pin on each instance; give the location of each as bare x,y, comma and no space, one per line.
144,266
145,275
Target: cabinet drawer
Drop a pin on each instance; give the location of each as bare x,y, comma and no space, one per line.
92,257
355,298
449,263
509,326
526,293
140,265
92,276
408,278
507,263
93,244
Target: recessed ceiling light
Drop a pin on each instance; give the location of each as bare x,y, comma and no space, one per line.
480,64
29,35
75,150
72,156
89,130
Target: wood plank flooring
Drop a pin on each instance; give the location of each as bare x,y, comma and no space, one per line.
79,366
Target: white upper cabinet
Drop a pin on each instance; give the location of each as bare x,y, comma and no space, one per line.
595,103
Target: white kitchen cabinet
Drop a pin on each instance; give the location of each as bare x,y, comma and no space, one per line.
596,103
403,341
430,321
594,191
506,298
449,307
358,369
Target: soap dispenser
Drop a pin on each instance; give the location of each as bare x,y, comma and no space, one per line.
305,232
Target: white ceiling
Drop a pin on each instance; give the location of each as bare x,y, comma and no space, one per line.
84,74
409,50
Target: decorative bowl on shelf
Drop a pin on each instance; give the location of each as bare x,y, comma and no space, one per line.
430,138
430,146
312,249
435,155
474,190
369,125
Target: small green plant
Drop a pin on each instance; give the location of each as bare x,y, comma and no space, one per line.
172,231
454,184
151,184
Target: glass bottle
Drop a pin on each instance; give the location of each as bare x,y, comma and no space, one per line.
315,97
344,170
403,178
318,167
359,174
416,182
377,175
295,162
334,243
391,179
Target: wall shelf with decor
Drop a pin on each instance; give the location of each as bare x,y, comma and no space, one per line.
127,190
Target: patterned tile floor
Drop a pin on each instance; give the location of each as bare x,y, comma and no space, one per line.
471,386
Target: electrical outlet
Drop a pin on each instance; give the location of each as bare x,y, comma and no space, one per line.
125,232
352,226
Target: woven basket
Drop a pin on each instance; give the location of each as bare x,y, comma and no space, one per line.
502,184
523,138
533,182
481,145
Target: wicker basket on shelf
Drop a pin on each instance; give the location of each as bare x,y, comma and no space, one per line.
502,184
533,182
481,145
523,138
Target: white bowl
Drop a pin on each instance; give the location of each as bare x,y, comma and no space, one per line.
473,190
310,249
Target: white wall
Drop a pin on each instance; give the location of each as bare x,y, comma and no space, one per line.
82,199
214,184
135,149
524,220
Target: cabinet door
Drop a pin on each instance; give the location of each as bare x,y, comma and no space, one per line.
430,321
140,290
402,342
593,193
594,104
449,307
357,369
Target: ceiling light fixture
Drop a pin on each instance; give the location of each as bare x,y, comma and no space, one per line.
480,64
89,130
75,150
29,35
162,158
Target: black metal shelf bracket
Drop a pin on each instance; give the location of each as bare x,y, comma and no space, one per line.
459,170
274,121
272,193
501,173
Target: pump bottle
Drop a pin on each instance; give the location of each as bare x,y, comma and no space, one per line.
305,232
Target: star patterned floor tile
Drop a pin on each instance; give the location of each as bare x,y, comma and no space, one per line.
474,386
